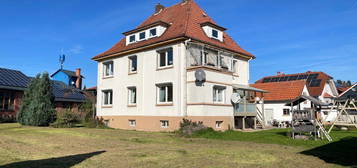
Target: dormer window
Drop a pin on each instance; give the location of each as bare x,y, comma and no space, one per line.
132,38
214,33
142,36
153,32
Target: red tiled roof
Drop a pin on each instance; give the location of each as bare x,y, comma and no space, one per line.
326,95
314,91
281,91
185,21
92,88
342,89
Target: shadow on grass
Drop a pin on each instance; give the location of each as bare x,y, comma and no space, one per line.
60,162
342,152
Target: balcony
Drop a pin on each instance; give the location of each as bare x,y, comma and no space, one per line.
245,109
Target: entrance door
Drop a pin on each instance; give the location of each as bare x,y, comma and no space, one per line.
269,116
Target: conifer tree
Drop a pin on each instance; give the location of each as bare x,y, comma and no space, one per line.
37,108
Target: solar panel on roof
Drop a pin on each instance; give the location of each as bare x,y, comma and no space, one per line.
292,78
266,80
284,78
302,77
276,79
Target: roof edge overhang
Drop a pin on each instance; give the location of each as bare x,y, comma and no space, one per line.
13,88
69,100
158,23
168,41
213,25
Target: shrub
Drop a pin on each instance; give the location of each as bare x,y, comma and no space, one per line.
94,123
188,127
7,119
37,108
66,119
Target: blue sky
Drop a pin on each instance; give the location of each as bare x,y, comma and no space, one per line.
287,36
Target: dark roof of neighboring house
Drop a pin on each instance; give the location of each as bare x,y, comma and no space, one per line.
349,93
63,92
184,21
281,91
67,72
315,81
13,79
16,80
91,88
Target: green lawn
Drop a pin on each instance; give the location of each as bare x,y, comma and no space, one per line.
82,147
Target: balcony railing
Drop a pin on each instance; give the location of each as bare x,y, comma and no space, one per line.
245,108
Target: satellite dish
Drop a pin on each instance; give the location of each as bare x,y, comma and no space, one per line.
200,75
235,98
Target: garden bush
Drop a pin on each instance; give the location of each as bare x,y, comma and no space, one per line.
66,119
189,127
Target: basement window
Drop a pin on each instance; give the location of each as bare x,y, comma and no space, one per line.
164,123
132,123
219,124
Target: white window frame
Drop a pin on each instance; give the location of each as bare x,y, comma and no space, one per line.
219,124
150,35
235,66
108,69
203,58
166,51
131,64
133,35
130,92
132,123
109,97
166,86
287,110
216,92
217,33
164,123
143,32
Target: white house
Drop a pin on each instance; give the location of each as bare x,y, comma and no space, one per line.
177,64
283,88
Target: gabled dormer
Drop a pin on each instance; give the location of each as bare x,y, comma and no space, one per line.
213,31
147,32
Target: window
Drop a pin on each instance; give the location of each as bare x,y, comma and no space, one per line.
132,123
7,101
234,66
107,97
218,94
108,68
132,38
153,32
165,57
214,33
164,93
219,124
142,36
133,60
164,123
203,58
286,111
132,95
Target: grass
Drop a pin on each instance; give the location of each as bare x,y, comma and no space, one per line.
82,147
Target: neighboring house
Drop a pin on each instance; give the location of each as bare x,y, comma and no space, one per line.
70,78
280,93
177,64
12,86
319,85
13,83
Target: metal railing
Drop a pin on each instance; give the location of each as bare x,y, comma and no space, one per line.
245,108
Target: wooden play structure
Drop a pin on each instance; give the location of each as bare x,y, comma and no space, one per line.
308,121
346,107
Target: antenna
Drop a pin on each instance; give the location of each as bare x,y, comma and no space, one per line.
62,58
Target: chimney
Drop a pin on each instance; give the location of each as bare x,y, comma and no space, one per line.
159,7
79,79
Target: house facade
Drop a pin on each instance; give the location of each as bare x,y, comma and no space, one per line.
177,64
316,84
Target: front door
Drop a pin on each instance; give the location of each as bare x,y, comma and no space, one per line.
269,116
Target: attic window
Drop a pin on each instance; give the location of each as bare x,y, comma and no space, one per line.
214,33
142,36
132,38
153,32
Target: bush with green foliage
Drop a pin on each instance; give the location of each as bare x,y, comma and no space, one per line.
37,107
188,127
66,119
7,119
95,123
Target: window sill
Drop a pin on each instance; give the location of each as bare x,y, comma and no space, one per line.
164,104
164,68
132,105
108,77
107,106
